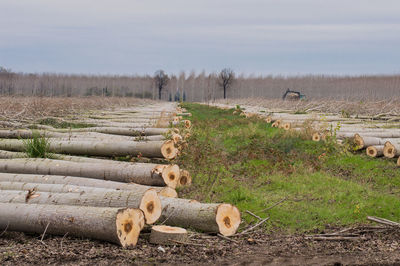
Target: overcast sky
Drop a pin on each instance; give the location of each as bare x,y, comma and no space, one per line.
250,36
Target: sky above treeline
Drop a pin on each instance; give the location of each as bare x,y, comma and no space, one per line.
288,37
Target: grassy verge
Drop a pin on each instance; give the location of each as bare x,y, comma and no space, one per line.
246,162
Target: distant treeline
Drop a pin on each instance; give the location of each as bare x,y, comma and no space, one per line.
199,87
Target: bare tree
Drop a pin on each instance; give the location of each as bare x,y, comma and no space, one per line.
7,78
226,78
161,79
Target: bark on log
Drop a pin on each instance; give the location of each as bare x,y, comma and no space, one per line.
120,226
84,182
152,149
148,202
26,134
139,173
168,235
378,134
223,218
55,188
375,151
118,131
12,155
124,125
184,114
113,140
362,141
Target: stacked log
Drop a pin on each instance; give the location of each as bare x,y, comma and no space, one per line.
101,198
222,218
377,142
118,225
375,151
84,182
148,202
391,149
153,149
168,235
139,173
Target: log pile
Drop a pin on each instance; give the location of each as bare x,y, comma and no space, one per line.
81,190
377,137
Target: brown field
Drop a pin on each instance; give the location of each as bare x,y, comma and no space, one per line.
354,244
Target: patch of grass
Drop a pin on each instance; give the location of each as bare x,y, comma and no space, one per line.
300,112
37,146
246,162
63,124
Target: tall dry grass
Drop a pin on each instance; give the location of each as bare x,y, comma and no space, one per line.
30,108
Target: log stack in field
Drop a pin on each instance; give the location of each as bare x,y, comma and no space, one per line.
81,191
375,136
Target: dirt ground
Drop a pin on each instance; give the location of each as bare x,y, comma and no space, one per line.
370,246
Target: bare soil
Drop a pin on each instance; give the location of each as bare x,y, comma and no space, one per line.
372,247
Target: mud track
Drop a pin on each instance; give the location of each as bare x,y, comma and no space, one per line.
372,247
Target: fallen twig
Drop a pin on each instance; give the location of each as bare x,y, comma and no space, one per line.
276,204
5,230
253,227
63,239
335,238
44,233
383,221
254,215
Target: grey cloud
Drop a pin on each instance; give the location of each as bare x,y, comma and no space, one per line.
271,36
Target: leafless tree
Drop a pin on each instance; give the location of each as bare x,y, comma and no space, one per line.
200,86
161,79
7,78
226,78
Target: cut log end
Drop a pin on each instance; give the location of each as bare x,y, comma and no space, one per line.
359,142
398,161
129,223
171,175
275,124
228,219
316,136
286,126
175,130
176,138
168,235
168,150
268,119
168,192
151,206
372,151
188,124
389,150
185,178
